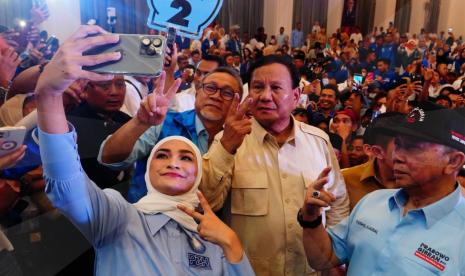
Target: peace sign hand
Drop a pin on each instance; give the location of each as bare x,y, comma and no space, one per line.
317,197
237,124
212,229
154,107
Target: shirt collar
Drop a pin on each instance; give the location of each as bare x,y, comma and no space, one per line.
156,222
368,170
199,127
440,209
260,133
432,212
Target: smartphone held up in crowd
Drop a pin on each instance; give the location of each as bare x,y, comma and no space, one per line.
141,55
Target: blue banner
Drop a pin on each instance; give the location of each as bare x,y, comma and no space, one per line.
188,17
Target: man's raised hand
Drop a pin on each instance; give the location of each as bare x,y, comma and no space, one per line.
154,107
317,197
237,124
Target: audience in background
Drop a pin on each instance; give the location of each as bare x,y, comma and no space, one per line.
352,86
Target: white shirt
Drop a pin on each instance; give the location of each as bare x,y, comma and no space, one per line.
135,92
184,100
281,38
356,37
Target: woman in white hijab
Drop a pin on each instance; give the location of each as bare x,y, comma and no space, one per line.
152,237
158,235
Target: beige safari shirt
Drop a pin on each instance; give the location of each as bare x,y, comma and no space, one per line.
262,187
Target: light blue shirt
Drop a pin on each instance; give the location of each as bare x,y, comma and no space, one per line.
186,124
127,241
297,38
376,239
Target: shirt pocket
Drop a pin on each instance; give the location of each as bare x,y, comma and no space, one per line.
249,193
418,267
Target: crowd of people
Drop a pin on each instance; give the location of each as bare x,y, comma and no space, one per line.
322,154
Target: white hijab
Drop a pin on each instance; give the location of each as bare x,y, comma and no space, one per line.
155,202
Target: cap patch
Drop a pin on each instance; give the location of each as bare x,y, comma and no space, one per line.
416,115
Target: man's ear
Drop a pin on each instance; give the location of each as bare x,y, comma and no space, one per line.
296,94
377,152
367,149
456,161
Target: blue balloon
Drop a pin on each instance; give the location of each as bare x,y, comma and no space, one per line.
188,17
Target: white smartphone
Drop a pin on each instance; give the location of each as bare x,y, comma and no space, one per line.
11,138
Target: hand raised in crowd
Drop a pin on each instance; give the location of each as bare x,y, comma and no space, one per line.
73,95
399,100
317,197
170,61
36,56
344,131
9,160
9,61
428,74
212,229
9,37
66,65
33,35
415,87
39,13
154,107
237,124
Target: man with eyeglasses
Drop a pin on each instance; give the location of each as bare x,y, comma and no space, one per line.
264,164
135,139
185,100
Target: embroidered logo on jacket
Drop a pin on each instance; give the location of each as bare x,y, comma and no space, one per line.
199,261
432,256
368,227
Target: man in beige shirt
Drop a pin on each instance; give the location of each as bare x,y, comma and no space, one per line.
259,169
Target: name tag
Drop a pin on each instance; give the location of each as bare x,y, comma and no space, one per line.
199,261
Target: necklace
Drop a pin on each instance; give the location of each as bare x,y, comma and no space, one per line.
196,245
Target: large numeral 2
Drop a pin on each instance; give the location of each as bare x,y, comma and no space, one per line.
179,18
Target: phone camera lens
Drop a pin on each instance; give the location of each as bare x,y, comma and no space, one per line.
151,50
157,42
146,42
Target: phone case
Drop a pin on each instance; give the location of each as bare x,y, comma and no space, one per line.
141,55
11,138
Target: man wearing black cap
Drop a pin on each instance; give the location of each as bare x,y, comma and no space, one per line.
415,230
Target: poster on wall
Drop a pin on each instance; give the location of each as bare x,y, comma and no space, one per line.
348,15
188,17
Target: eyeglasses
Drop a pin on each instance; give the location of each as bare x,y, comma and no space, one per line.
226,93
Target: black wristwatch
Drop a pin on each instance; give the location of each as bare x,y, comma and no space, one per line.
308,224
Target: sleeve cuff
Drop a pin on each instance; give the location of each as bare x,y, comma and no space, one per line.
59,155
241,268
338,244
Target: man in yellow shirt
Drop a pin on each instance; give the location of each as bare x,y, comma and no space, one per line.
377,173
260,168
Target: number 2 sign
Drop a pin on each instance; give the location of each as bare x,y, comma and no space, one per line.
188,17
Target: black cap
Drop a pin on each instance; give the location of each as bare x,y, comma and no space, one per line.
433,123
383,124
